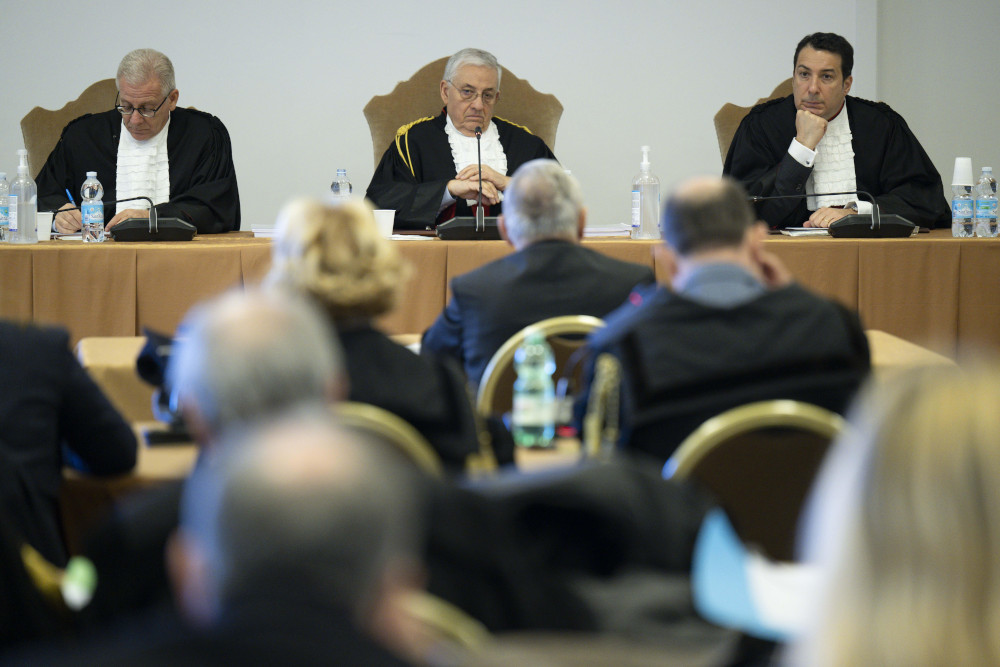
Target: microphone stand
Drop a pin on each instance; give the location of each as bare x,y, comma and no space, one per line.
856,226
480,216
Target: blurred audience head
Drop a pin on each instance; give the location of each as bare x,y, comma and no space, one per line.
247,355
297,510
905,519
335,254
542,202
707,213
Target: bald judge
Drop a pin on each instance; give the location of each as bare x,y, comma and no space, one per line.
430,172
145,146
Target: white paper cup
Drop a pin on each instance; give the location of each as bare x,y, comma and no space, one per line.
43,222
385,218
963,171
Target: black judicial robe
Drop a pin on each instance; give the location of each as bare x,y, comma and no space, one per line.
203,187
888,162
414,171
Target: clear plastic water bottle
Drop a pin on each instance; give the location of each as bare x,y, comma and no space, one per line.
92,209
22,204
962,212
533,416
986,204
645,201
340,189
4,215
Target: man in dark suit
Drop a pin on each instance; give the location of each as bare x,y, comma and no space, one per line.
51,415
551,274
733,328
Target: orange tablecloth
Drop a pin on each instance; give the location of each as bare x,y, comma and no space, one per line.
932,289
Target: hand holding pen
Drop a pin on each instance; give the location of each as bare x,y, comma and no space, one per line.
67,219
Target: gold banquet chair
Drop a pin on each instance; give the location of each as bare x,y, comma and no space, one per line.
759,460
566,334
420,96
41,128
385,427
729,117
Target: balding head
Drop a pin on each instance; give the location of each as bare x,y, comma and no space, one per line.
706,213
541,202
299,502
249,355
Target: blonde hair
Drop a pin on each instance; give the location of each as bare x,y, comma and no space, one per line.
335,254
915,548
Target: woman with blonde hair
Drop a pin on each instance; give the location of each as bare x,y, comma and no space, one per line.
335,254
906,522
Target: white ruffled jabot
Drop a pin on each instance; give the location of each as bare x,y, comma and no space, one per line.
463,149
833,169
143,169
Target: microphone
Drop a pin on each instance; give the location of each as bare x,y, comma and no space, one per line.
857,226
480,216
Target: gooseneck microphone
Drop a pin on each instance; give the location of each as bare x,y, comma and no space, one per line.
480,216
858,225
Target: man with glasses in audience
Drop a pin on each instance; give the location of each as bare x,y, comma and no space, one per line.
430,172
146,146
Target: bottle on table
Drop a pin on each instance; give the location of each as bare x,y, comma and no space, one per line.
92,209
986,204
645,201
4,219
534,405
340,189
22,204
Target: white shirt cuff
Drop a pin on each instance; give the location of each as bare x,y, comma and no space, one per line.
802,155
864,207
446,201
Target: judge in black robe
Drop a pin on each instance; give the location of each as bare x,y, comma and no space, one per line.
888,162
203,187
414,171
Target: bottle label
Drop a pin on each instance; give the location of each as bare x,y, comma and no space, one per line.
636,209
961,209
92,213
12,212
531,411
986,209
4,213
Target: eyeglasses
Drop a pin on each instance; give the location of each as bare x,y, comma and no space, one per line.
468,94
126,110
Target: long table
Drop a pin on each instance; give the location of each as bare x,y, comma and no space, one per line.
932,289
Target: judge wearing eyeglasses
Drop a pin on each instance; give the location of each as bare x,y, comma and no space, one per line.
430,172
145,146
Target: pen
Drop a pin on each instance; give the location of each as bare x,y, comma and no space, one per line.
70,195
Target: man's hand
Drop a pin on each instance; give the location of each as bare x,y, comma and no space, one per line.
490,175
772,270
822,217
125,215
469,189
68,222
809,128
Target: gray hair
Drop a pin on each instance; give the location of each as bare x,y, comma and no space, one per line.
707,213
541,201
301,502
476,57
246,355
141,65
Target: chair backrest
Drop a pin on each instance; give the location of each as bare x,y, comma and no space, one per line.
566,334
383,426
600,423
420,96
760,460
729,117
41,128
